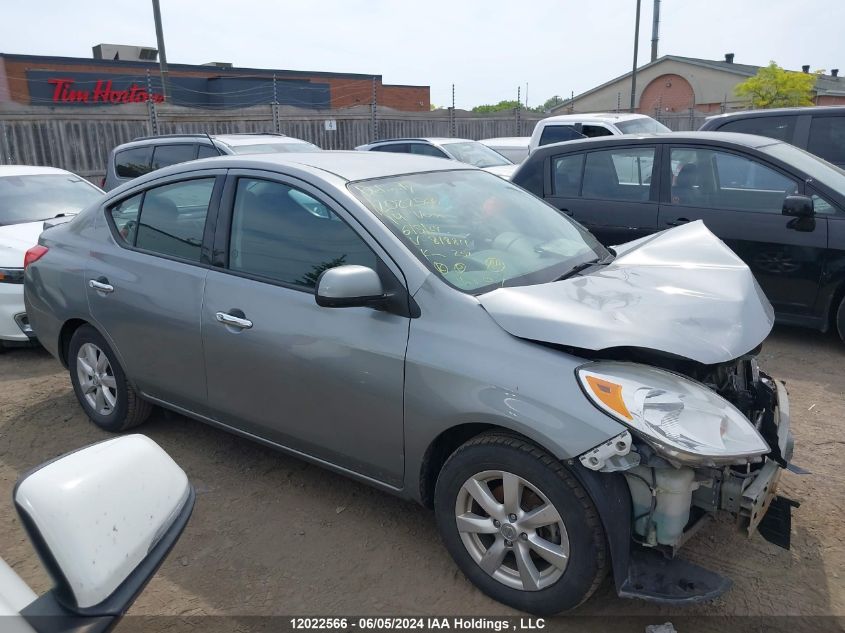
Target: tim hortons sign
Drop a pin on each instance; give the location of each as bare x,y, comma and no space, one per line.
65,91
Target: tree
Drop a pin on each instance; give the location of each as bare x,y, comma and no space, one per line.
502,105
774,87
550,103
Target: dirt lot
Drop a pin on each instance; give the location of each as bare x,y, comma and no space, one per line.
271,535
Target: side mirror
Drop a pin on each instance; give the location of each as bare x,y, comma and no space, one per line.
102,520
798,206
349,286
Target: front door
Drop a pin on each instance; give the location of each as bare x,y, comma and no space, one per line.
612,192
327,382
740,200
145,287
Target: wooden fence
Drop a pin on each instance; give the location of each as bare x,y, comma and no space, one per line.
80,139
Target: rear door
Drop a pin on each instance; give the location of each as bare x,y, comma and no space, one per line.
148,282
740,198
327,382
612,192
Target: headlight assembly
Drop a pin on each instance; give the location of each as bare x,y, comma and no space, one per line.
682,419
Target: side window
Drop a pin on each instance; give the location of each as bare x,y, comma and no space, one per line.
566,175
396,148
619,174
277,234
827,138
704,177
822,206
558,134
779,127
125,218
166,155
427,150
594,131
131,163
206,151
173,218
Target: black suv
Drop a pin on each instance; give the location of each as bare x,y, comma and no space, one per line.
820,130
780,209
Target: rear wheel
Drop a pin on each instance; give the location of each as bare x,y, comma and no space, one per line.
100,384
840,320
519,525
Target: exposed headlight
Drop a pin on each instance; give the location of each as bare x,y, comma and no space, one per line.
679,417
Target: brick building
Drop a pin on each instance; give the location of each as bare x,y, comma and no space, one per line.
61,81
674,85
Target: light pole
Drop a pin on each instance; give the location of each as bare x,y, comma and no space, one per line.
636,46
162,56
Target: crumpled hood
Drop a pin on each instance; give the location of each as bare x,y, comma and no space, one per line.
502,171
16,240
681,291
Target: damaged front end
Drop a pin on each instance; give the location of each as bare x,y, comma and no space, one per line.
717,440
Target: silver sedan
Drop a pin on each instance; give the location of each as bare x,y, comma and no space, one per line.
437,332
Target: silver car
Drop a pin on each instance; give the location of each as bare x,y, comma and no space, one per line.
437,332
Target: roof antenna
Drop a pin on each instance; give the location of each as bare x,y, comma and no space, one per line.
208,136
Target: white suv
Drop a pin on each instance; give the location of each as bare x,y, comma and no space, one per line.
555,129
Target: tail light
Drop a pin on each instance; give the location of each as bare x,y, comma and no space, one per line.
34,254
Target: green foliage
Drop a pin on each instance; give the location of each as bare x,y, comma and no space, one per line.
774,87
550,103
498,107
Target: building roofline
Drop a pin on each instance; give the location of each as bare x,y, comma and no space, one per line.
187,67
745,70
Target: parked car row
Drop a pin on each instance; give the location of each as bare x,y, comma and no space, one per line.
631,408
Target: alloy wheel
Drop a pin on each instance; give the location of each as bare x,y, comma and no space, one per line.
96,379
512,530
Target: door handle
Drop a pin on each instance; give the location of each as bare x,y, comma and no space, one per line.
101,285
233,321
677,221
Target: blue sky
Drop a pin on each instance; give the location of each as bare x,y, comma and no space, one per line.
487,49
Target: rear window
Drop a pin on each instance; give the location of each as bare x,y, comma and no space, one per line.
134,162
558,134
166,155
30,198
779,127
827,138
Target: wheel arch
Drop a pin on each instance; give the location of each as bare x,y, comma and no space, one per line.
66,333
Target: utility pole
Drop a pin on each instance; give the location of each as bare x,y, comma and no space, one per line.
277,128
151,106
636,45
655,30
162,56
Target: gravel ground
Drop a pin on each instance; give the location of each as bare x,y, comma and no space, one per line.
272,535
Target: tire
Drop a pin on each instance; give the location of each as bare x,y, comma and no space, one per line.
572,526
108,399
840,320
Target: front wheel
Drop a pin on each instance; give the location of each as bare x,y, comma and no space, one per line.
100,384
519,525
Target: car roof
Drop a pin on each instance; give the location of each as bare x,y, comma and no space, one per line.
726,138
31,170
743,114
434,140
595,116
256,139
347,165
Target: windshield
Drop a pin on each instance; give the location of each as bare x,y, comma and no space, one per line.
646,125
475,153
43,196
477,231
273,148
815,167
